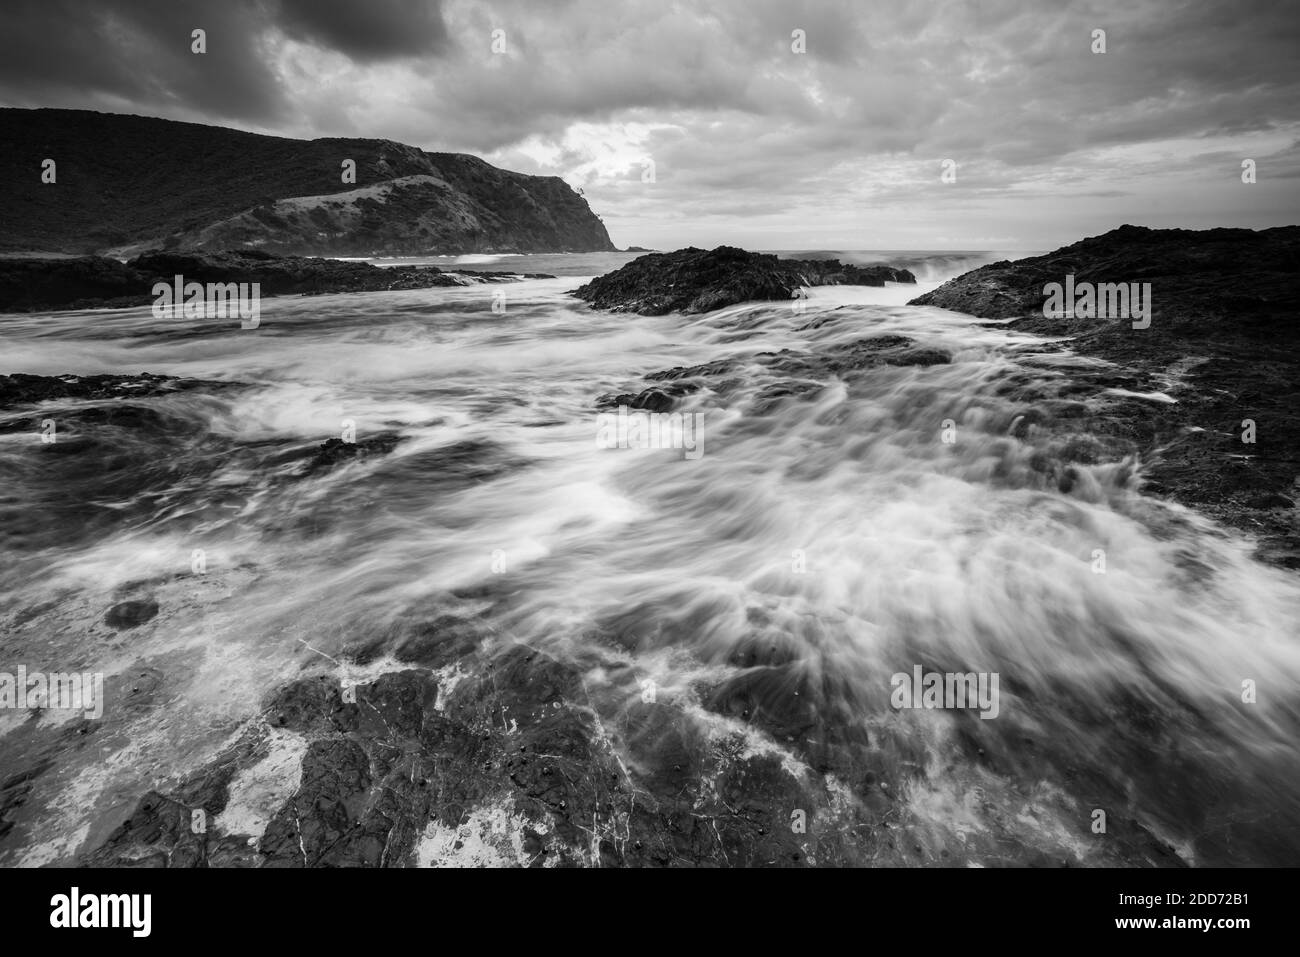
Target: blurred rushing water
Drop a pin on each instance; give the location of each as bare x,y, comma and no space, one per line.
827,539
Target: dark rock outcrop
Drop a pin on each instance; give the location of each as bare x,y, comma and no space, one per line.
695,280
118,193
508,766
333,452
647,400
1223,343
784,374
21,389
31,284
129,614
515,761
1214,284
91,282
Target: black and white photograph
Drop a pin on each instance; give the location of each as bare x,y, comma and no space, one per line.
633,434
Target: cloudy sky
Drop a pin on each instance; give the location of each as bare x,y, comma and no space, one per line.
840,146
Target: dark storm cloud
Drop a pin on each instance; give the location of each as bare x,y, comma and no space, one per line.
373,30
714,94
137,54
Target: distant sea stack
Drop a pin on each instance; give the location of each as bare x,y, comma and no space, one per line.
696,280
124,185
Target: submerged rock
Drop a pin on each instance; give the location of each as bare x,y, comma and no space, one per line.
129,614
648,400
695,280
22,389
332,452
785,373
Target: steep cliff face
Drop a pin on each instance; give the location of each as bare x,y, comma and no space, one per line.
459,208
129,184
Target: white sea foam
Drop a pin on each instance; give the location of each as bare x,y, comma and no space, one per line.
835,525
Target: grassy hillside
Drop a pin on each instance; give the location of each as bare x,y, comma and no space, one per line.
132,183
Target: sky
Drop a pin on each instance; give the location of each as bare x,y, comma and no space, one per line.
768,124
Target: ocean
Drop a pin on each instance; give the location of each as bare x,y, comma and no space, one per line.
840,528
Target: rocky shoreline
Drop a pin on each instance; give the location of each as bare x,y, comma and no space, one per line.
458,757
465,750
99,282
1222,348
